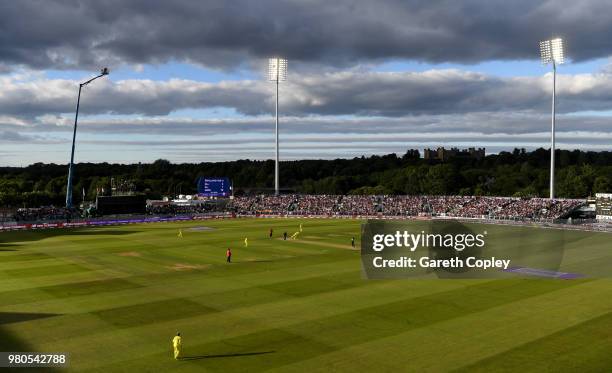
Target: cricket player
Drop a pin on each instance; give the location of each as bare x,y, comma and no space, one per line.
178,346
180,233
353,242
300,227
271,231
246,242
228,254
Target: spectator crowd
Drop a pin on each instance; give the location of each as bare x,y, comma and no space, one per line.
349,205
383,205
45,214
170,209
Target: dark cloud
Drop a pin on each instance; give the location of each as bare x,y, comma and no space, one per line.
346,93
11,136
225,34
257,145
31,98
315,128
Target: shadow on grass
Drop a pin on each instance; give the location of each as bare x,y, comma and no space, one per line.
7,238
10,342
226,355
11,317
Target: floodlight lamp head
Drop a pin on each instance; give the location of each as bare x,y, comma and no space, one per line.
104,71
277,69
551,51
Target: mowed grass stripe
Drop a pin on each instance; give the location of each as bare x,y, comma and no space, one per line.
175,308
317,285
593,266
89,288
319,336
84,288
572,352
266,294
152,312
251,270
32,265
236,321
347,329
172,284
466,339
241,321
172,311
9,261
145,262
13,284
49,270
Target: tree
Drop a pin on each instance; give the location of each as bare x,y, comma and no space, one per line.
508,173
602,184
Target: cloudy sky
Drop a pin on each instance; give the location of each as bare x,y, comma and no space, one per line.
188,79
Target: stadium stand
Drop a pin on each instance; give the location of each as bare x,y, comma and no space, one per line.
509,208
45,214
452,206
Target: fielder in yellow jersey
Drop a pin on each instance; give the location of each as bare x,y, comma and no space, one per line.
178,346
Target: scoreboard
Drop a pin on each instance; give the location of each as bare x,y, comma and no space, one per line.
214,187
603,206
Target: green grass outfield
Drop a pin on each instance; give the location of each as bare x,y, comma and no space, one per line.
114,297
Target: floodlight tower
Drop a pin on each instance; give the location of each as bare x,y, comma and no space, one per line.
103,72
277,72
551,52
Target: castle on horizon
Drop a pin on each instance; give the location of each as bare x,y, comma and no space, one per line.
442,154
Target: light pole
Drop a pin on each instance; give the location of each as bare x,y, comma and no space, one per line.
103,72
551,52
277,72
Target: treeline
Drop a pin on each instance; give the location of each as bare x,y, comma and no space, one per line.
517,173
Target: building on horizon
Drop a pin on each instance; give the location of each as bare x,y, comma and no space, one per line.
442,154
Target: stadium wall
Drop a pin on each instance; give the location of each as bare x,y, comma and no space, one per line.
556,224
